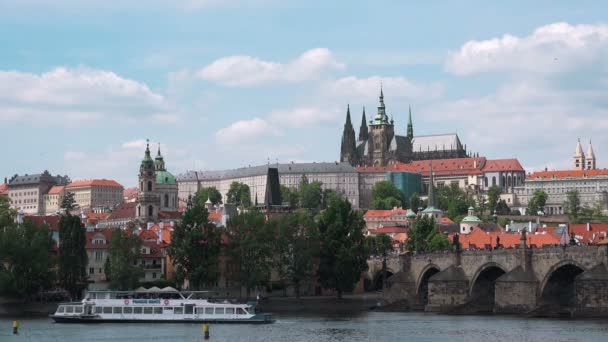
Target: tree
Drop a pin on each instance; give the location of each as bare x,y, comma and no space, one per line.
537,202
380,245
239,194
481,204
7,215
502,208
573,205
415,202
290,196
454,200
209,193
295,246
438,243
251,248
385,195
72,255
195,248
311,194
26,267
122,271
421,235
68,203
493,196
343,250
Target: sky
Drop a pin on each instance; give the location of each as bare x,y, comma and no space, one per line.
230,83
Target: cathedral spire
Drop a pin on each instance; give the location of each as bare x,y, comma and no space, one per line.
381,117
410,126
431,197
363,132
590,157
348,149
579,157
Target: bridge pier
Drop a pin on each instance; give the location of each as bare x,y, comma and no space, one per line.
448,290
591,291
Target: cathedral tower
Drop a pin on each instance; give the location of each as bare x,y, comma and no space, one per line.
410,127
348,149
363,133
590,158
579,157
380,135
148,206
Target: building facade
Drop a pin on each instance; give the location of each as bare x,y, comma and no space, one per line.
53,199
27,192
378,144
98,195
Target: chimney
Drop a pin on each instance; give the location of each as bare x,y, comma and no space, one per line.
588,226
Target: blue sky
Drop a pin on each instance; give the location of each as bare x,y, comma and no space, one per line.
224,84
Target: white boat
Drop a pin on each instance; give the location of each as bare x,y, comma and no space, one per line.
156,305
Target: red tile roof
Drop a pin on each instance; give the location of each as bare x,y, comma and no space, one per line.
130,193
392,167
503,165
107,235
51,221
93,182
56,189
166,231
217,217
450,167
567,174
479,239
123,211
590,234
169,214
388,230
384,213
445,220
3,189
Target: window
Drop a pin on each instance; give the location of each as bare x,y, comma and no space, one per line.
229,311
168,308
178,310
208,311
150,210
61,309
199,311
69,309
117,310
166,200
91,270
98,255
149,185
137,310
154,275
98,309
148,310
240,311
158,310
127,310
219,311
107,310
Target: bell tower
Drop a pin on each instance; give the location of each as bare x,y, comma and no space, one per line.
381,133
579,157
148,201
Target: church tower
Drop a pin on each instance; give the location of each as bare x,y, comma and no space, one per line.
410,127
148,206
590,158
159,161
363,133
579,157
348,149
381,134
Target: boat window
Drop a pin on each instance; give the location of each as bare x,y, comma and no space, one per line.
127,310
138,310
200,311
107,310
117,310
147,310
69,309
98,309
240,311
158,310
61,309
219,311
229,311
178,310
208,311
168,308
78,309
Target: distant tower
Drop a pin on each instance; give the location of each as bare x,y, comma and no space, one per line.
363,134
410,127
147,208
381,133
159,161
579,157
348,149
590,158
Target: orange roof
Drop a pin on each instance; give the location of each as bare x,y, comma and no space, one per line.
401,237
392,167
449,167
388,230
217,217
56,189
166,231
567,174
130,193
479,239
445,220
3,188
503,165
384,213
592,233
93,182
107,234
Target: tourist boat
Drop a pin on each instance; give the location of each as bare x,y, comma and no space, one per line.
156,305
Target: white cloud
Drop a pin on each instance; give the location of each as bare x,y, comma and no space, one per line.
63,95
139,144
248,71
551,48
246,131
368,89
303,116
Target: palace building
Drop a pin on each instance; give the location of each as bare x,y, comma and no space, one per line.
379,145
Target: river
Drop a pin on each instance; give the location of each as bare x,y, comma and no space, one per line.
369,326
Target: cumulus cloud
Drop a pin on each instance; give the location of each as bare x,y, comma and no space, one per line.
74,94
552,48
244,131
368,88
245,70
303,116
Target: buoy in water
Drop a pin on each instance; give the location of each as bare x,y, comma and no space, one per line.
206,331
15,327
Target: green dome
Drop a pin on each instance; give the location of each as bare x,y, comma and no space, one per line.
471,219
165,177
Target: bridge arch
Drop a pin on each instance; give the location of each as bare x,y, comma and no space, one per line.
483,285
422,283
557,287
376,282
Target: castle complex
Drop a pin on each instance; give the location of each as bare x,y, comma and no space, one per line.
378,145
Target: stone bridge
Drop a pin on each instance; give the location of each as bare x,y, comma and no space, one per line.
571,280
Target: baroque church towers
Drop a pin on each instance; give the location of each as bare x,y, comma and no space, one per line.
157,188
584,161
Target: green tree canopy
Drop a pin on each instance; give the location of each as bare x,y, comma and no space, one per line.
423,236
122,270
210,193
453,200
296,244
385,195
68,203
290,196
537,202
72,255
251,249
7,215
415,202
572,205
493,196
343,254
311,194
26,267
239,194
502,208
195,248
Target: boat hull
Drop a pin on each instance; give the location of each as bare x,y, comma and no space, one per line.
76,319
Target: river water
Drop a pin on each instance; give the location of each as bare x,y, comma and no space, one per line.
371,326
